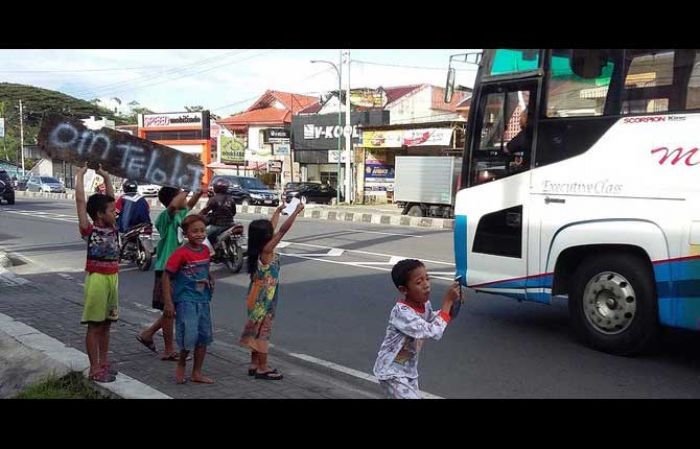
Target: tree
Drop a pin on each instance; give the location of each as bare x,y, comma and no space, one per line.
194,108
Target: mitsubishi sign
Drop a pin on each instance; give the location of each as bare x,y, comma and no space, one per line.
178,119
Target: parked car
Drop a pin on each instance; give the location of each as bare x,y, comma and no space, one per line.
45,184
246,190
148,190
7,191
312,192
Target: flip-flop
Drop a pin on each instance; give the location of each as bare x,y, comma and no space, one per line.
150,345
267,375
253,371
103,376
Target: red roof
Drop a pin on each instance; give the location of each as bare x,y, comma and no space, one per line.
312,108
272,116
394,93
293,102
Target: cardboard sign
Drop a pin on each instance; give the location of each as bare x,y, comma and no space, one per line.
121,154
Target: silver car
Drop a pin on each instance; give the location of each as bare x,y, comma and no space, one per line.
148,190
45,184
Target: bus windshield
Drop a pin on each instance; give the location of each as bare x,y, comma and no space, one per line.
508,61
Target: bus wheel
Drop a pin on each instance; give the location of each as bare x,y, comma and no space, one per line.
612,304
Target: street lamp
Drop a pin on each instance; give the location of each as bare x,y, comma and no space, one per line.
340,117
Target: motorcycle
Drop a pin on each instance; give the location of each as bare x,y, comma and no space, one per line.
228,248
136,245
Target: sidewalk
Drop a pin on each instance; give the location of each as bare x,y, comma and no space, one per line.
51,303
374,214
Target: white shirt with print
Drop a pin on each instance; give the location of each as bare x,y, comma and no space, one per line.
408,328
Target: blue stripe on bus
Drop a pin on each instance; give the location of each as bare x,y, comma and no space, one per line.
678,291
677,287
460,247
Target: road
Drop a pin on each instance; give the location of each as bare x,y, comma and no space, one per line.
336,294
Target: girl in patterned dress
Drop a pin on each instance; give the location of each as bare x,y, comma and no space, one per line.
264,269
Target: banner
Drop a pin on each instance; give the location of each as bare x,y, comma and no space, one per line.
2,127
121,154
406,137
368,98
232,150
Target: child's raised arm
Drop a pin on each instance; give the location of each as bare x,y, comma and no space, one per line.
196,196
80,201
276,216
109,189
286,226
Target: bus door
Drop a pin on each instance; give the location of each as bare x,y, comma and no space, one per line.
499,167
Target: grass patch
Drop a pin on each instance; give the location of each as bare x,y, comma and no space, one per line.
70,386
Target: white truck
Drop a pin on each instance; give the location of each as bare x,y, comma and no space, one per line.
425,186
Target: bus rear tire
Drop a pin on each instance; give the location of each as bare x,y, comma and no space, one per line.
613,305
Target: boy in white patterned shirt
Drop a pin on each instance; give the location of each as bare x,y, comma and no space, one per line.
412,320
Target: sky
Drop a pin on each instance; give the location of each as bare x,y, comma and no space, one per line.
225,81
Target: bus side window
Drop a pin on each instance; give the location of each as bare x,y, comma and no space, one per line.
693,95
648,83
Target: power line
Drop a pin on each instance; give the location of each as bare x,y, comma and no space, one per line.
106,88
257,96
81,70
444,69
194,73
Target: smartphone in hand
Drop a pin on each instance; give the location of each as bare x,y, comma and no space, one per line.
454,311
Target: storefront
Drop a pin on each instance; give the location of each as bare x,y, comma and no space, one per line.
379,145
189,132
315,143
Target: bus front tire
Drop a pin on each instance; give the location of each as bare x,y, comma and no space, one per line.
613,305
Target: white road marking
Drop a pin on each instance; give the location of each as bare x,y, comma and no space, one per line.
388,233
352,264
350,371
391,257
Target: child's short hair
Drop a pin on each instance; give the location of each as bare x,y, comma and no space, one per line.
191,219
400,272
166,195
97,203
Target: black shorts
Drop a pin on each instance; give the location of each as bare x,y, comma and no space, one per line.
158,302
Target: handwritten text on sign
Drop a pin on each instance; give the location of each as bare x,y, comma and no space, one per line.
120,154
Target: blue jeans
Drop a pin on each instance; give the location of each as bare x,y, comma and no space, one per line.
192,325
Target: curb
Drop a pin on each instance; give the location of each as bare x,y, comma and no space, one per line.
73,360
318,214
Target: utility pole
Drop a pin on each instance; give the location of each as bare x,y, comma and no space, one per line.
338,69
4,124
348,137
21,135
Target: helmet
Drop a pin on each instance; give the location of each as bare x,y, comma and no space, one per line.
221,186
130,187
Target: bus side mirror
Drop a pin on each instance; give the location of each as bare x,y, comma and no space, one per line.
450,85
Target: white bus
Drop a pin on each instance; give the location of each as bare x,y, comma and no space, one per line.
597,198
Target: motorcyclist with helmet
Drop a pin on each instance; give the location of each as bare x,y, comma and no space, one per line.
132,208
221,209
